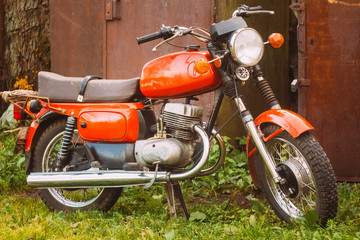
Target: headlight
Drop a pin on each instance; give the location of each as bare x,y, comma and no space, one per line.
246,46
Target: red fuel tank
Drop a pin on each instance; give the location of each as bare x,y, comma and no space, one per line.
174,76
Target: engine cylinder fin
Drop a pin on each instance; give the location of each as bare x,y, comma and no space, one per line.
179,126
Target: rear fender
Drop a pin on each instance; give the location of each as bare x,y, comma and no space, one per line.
45,117
287,120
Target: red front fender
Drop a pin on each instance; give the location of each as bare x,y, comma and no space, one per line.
287,120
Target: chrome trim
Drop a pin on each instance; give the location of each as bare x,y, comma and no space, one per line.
240,104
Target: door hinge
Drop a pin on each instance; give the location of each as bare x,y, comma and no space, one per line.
111,10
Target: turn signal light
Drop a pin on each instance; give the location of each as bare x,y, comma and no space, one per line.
18,112
201,66
276,40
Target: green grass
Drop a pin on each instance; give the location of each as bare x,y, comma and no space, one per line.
223,206
141,214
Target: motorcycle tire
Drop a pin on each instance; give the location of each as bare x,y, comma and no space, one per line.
64,199
310,180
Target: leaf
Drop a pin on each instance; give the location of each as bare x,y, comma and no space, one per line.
20,162
252,220
250,197
258,206
169,235
242,140
197,216
240,183
157,196
231,229
347,214
311,217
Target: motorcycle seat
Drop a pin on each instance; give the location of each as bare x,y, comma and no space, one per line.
66,89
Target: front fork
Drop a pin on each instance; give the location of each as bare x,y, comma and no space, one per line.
255,136
249,124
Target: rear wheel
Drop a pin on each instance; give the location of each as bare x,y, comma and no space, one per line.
310,181
45,152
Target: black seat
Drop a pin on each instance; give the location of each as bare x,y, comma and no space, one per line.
66,89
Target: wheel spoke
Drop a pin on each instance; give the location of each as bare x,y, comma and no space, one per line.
309,202
308,185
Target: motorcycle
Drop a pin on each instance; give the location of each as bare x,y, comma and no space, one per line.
84,146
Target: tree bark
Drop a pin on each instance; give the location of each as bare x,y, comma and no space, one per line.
26,41
1,48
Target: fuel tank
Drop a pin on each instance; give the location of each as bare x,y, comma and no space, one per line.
173,76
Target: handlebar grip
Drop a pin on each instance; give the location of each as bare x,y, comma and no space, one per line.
165,33
149,37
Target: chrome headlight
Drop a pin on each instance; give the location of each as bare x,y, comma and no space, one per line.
246,46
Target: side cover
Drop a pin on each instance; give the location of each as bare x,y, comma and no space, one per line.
109,125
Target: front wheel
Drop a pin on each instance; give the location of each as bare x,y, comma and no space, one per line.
45,151
309,184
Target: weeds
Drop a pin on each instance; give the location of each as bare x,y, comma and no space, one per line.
12,166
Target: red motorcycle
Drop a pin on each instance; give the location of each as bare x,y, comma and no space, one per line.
83,146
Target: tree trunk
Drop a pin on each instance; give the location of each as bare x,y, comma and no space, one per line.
1,48
26,42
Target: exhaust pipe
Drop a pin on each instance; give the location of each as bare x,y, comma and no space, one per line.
115,178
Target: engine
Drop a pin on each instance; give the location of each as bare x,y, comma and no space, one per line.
174,144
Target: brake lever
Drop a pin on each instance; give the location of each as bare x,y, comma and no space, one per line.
177,34
181,32
244,13
260,11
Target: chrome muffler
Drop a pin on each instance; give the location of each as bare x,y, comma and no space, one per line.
116,178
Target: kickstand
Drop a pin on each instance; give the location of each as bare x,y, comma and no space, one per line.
173,192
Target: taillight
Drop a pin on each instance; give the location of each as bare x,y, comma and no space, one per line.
18,112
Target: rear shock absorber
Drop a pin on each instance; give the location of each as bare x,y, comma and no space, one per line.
65,143
265,89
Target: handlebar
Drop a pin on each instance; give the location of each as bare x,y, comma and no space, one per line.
164,32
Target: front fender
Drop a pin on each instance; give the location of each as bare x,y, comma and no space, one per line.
287,120
292,122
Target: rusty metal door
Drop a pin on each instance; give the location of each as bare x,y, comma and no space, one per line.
77,33
136,18
329,94
99,37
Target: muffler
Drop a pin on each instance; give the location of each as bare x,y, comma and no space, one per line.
116,178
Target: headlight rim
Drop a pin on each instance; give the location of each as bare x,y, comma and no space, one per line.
232,42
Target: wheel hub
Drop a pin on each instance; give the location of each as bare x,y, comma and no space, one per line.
296,178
